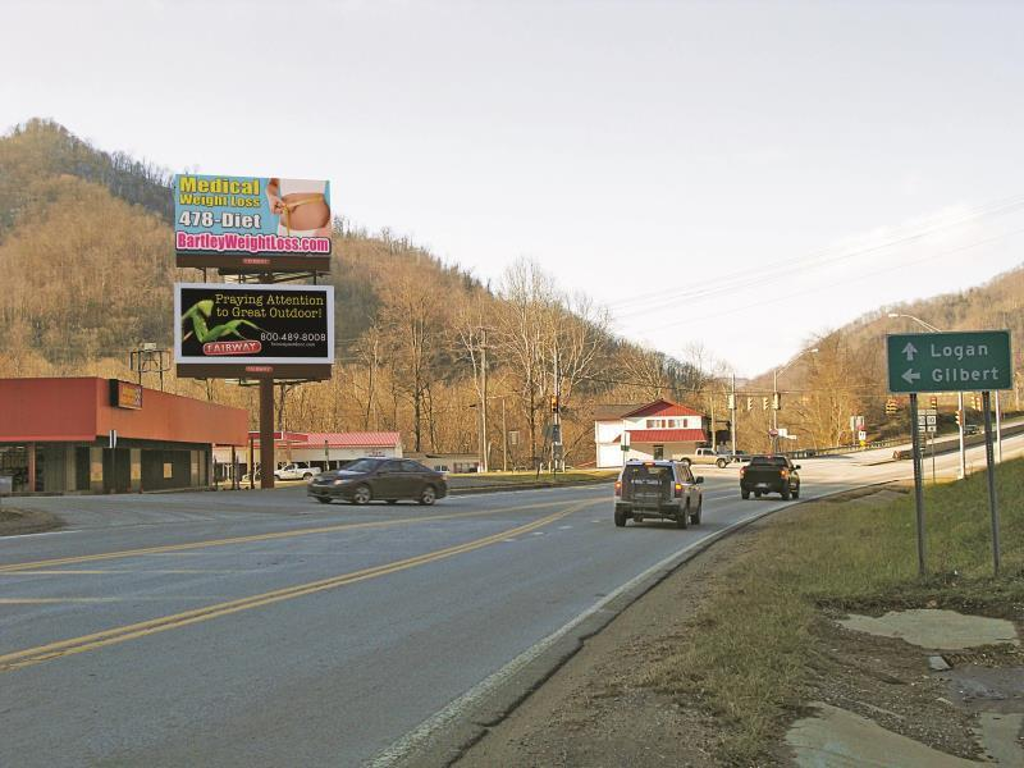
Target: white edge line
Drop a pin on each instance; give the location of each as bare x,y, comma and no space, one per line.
415,738
17,536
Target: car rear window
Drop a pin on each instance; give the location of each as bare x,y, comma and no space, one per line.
777,461
655,471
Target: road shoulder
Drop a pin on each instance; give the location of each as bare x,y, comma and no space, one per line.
599,709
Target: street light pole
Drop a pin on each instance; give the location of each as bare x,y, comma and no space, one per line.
962,470
776,400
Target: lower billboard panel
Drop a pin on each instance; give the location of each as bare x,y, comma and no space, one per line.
245,329
286,371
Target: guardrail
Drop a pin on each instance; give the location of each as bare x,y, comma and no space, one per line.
949,446
808,453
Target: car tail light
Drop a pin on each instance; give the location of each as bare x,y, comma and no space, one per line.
618,487
679,490
784,473
743,471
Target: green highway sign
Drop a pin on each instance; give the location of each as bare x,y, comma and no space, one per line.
966,361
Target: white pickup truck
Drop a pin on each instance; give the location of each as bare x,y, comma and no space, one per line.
705,456
297,470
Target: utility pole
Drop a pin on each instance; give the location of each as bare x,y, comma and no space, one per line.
504,438
483,404
557,418
732,415
714,442
775,411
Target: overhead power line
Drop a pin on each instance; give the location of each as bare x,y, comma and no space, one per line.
772,272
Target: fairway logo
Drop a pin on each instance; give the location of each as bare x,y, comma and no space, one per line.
213,348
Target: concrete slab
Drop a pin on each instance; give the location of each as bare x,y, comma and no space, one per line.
938,629
998,734
836,738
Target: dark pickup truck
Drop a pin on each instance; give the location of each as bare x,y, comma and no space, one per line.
770,474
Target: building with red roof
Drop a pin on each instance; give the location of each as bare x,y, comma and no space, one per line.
85,434
324,450
658,430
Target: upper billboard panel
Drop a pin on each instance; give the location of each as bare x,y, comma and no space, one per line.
252,223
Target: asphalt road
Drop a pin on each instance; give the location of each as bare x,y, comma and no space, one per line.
259,628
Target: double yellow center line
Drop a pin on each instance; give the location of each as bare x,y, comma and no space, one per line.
39,654
125,553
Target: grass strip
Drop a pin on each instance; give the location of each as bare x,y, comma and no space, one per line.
748,657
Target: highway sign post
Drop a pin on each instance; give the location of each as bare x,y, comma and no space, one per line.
993,507
971,361
915,438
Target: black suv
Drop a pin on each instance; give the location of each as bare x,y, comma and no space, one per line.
661,489
387,479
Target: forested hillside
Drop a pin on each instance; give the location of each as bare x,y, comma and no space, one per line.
87,253
847,375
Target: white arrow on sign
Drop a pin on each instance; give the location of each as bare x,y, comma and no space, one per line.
909,376
910,350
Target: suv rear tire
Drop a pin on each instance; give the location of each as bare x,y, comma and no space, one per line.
620,518
683,518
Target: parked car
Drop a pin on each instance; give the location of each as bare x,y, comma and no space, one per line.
390,480
705,456
971,429
737,457
770,474
660,489
297,470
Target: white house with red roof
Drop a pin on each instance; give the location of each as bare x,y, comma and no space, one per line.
658,430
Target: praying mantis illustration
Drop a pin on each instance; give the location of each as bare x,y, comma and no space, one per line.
198,314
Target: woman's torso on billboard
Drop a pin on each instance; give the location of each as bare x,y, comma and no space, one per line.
307,208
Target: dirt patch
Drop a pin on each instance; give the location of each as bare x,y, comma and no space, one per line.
16,522
888,681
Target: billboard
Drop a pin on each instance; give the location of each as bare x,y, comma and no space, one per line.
234,330
243,223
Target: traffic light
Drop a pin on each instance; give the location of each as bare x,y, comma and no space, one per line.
732,402
890,407
777,401
933,402
976,401
959,417
750,404
764,403
554,403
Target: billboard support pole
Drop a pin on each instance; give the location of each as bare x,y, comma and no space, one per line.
990,461
915,431
267,465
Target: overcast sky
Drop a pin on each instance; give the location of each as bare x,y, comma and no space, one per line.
740,175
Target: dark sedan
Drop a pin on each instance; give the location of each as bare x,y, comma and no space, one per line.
389,480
